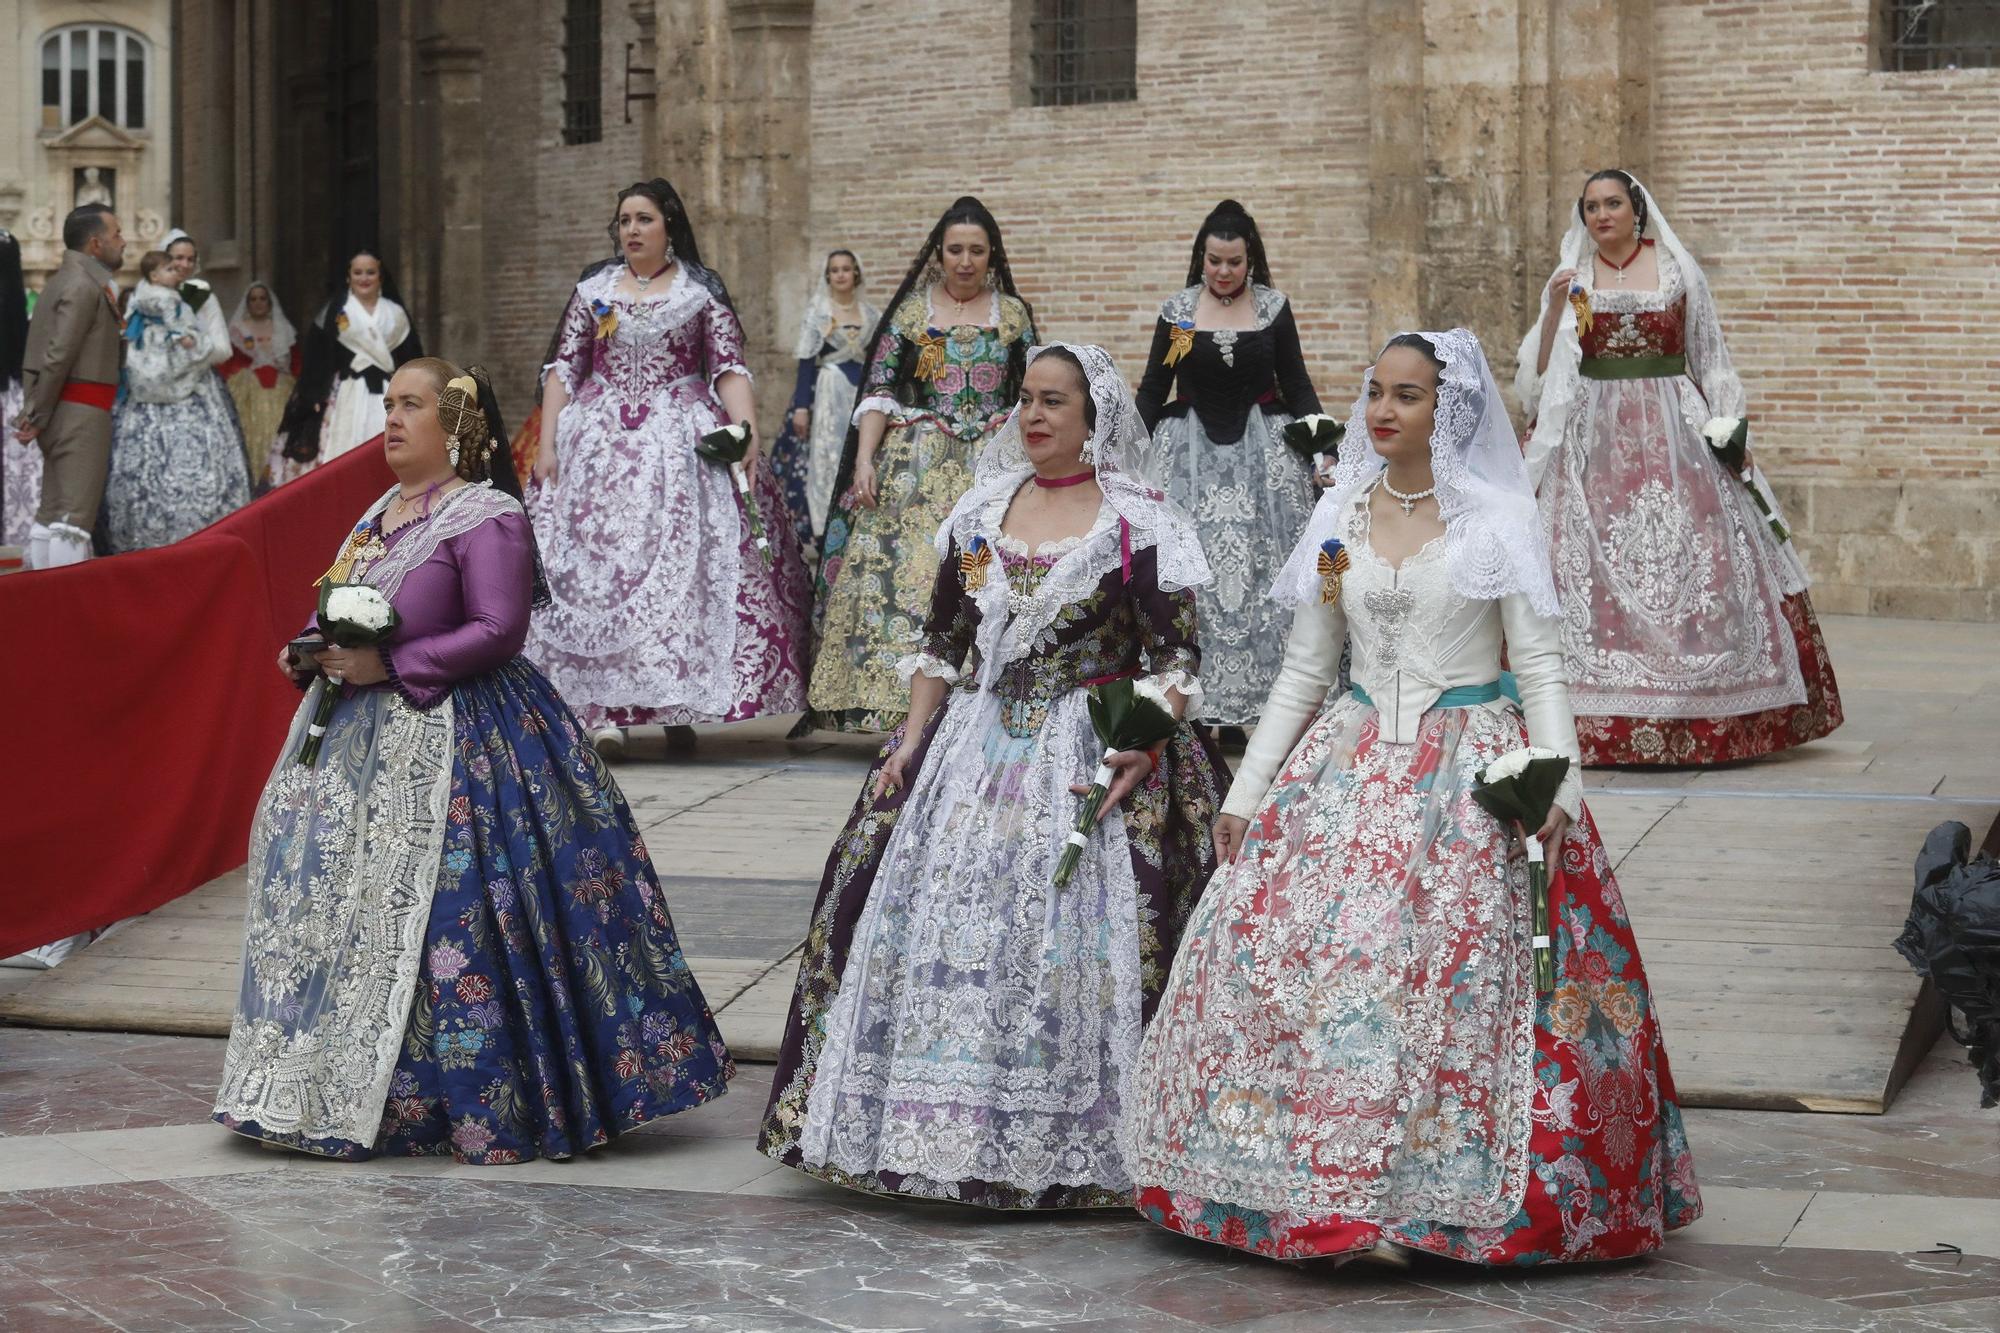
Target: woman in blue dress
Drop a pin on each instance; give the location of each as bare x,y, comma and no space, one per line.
456,940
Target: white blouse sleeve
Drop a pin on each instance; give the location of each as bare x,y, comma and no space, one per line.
1534,650
1311,665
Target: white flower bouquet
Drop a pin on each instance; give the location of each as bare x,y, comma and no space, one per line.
351,615
1729,437
1127,714
1315,438
1517,789
728,447
196,293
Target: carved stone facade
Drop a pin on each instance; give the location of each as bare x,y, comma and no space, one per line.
1411,162
88,121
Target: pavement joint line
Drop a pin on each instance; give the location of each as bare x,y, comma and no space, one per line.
1633,850
1804,1208
771,967
1904,798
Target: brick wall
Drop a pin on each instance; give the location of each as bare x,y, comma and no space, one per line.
1099,204
547,202
1849,221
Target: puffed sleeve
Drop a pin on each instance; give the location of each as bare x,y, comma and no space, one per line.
1310,668
948,627
1158,381
496,564
1168,629
574,340
722,341
1295,386
878,391
1534,651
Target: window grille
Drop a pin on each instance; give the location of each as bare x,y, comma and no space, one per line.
1083,51
93,69
1940,34
583,72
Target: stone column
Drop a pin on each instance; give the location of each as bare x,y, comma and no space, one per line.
645,55
767,158
1485,119
449,188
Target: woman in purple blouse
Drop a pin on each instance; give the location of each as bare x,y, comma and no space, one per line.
456,941
662,609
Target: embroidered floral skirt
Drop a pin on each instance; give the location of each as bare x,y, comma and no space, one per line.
962,1029
1719,740
175,468
1351,1049
664,610
1251,500
876,576
553,1009
20,474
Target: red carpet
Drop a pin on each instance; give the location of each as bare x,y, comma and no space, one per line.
141,706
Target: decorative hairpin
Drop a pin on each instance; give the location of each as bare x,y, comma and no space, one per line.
1332,564
973,563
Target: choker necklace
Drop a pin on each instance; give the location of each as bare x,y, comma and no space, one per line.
1618,270
1076,480
1226,300
1409,502
644,283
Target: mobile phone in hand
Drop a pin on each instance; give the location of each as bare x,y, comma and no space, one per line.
302,648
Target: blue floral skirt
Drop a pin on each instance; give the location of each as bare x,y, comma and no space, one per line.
553,1008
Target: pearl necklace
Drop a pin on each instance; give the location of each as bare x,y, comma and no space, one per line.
1409,502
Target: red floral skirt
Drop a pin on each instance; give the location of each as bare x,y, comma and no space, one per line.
1720,740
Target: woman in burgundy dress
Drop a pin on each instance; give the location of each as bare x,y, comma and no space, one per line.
456,941
1687,633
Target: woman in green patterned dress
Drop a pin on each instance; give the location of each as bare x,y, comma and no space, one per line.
943,372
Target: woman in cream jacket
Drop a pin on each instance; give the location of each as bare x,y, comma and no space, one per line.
1351,1054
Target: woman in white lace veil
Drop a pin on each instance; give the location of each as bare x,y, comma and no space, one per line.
1352,1052
963,1027
832,350
262,371
1688,635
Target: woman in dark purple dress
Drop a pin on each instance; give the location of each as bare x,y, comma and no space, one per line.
456,941
963,1026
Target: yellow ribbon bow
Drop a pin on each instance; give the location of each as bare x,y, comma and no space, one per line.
1180,341
1580,300
1332,564
973,563
930,361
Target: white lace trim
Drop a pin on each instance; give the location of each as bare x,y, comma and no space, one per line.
926,664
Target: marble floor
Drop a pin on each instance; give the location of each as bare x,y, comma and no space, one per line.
122,1208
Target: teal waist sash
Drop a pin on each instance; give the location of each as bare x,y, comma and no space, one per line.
1462,696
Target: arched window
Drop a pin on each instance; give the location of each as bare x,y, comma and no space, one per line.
93,69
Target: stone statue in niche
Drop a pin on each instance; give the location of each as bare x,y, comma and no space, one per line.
95,185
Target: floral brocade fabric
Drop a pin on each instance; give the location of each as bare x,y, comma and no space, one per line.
962,1029
553,1007
876,570
1351,1049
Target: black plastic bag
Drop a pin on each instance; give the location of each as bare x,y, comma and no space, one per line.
1953,937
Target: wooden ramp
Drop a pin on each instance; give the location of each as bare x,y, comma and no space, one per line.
1766,924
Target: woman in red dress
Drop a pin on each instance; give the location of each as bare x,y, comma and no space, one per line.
1687,632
